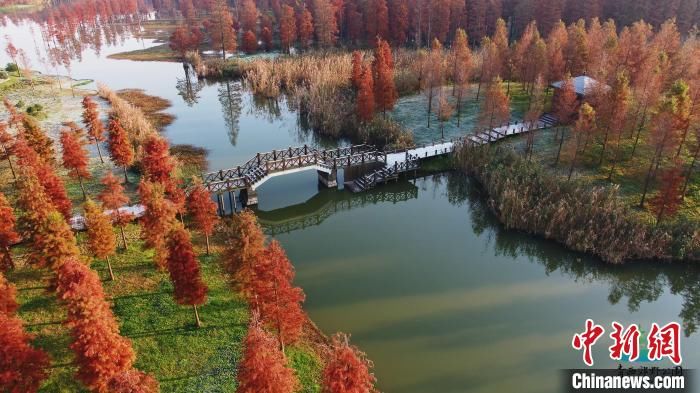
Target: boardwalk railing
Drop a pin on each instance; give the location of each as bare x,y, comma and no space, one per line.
257,169
264,164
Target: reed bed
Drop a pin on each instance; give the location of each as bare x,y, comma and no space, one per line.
130,117
527,197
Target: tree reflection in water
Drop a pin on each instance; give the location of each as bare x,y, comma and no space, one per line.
230,98
188,87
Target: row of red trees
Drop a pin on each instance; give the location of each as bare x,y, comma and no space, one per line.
420,21
93,327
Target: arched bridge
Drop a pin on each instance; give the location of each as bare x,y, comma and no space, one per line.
248,177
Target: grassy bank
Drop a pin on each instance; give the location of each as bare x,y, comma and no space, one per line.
583,216
155,53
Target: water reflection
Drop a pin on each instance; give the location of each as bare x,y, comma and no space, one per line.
230,99
632,285
189,87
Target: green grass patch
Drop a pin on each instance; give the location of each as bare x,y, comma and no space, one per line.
156,53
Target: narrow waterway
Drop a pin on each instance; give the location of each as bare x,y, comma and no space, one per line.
440,296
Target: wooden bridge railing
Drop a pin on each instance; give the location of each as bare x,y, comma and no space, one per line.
294,157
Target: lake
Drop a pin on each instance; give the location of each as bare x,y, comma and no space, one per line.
419,272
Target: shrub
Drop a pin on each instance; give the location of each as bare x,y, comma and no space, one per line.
11,67
385,132
34,110
4,75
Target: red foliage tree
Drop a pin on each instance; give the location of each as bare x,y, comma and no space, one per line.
112,197
266,37
348,369
101,240
263,367
667,124
250,42
495,109
385,94
22,368
133,381
670,197
8,236
55,190
6,144
32,200
325,24
565,103
288,27
37,139
51,183
274,295
398,14
189,289
54,243
14,118
157,162
185,39
157,219
219,27
75,156
120,149
244,242
203,210
365,96
305,27
249,15
100,351
91,119
8,302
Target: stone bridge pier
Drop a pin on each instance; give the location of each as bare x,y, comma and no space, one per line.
329,180
249,196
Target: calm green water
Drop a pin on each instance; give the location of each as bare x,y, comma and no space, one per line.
443,299
421,275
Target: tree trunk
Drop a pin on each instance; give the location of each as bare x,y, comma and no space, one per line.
126,177
639,133
647,180
99,151
573,163
561,143
690,170
279,322
459,106
207,237
430,104
12,169
109,266
683,139
82,187
616,157
605,144
196,316
121,229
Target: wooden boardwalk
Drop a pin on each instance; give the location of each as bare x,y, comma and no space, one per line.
248,177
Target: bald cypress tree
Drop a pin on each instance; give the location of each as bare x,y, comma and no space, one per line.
189,289
101,240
